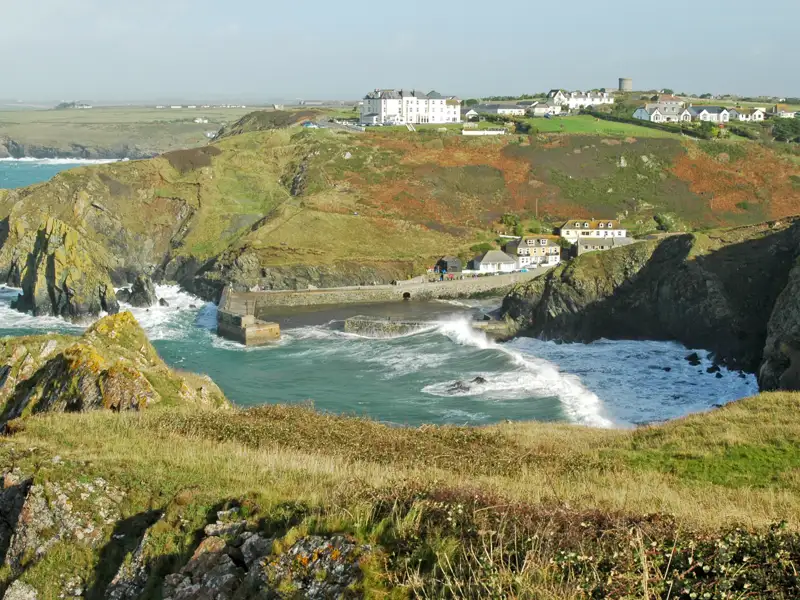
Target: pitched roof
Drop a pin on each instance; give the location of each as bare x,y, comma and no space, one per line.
664,109
712,110
593,224
495,256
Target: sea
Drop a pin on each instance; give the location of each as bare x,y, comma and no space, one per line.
445,373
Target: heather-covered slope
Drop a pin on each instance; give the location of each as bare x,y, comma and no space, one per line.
284,207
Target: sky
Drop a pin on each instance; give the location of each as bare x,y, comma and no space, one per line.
137,50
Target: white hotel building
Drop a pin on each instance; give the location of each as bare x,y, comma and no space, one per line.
401,107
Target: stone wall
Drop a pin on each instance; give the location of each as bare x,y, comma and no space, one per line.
258,302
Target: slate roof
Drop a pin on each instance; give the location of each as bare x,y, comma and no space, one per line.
593,224
665,109
495,256
713,110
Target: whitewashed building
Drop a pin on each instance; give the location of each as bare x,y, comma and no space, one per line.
402,107
576,229
495,261
577,100
663,113
501,109
747,114
536,251
543,109
713,114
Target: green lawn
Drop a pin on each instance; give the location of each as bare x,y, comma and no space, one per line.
586,124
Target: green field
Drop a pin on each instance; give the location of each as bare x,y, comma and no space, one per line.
147,130
586,124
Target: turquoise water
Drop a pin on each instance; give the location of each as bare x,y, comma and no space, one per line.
412,379
19,173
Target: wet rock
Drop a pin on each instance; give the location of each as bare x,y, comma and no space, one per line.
693,359
459,386
667,369
713,369
719,375
162,302
143,292
479,380
124,295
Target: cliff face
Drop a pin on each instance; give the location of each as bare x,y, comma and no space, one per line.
732,292
65,275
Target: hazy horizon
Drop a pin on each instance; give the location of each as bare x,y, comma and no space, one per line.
176,50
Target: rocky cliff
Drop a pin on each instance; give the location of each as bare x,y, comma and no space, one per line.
111,366
733,292
63,274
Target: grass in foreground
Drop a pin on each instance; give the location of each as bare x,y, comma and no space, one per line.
520,510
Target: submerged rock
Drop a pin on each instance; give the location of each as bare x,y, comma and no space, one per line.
143,292
479,380
459,386
64,276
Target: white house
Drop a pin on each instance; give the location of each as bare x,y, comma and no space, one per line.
495,261
540,250
576,229
468,114
781,112
576,100
747,114
402,107
662,113
714,114
543,109
501,109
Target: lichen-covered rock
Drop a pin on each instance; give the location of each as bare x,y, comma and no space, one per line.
211,574
143,292
317,567
112,366
51,512
64,275
21,591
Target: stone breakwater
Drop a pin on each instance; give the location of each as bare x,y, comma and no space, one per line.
257,302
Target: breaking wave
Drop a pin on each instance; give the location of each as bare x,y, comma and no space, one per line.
63,161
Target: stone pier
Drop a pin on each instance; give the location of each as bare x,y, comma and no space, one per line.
234,322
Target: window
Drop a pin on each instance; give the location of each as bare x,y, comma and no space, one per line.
610,225
586,225
543,242
602,225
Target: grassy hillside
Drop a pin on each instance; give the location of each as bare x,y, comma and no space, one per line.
519,510
266,197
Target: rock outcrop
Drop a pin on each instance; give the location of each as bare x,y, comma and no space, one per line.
143,292
726,292
112,366
65,276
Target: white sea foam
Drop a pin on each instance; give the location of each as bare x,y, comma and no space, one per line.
530,377
13,319
63,161
175,321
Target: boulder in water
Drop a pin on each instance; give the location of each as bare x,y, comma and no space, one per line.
693,359
459,386
124,295
479,380
162,302
143,292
